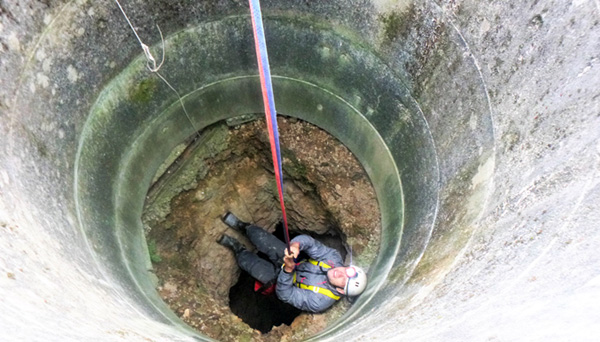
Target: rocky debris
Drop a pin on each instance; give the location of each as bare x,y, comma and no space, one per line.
326,192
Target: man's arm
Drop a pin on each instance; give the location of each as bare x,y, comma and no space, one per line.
317,250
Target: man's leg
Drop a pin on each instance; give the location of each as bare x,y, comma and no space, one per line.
266,243
260,269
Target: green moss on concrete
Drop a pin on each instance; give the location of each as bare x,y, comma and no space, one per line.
143,92
153,251
396,24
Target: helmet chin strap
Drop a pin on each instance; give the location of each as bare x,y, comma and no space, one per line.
343,291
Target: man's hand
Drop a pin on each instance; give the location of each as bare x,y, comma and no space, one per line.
289,257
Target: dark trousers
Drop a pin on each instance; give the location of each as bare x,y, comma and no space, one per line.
259,268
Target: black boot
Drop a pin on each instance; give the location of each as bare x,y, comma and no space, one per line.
232,243
235,223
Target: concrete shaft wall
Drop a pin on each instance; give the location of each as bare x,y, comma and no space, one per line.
478,123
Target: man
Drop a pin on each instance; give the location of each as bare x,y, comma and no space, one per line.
311,285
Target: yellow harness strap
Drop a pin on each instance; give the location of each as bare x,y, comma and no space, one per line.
318,263
313,288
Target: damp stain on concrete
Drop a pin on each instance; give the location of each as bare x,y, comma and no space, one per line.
143,92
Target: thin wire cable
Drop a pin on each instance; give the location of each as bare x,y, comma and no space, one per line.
129,22
145,48
151,62
180,100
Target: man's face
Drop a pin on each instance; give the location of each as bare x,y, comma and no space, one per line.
337,277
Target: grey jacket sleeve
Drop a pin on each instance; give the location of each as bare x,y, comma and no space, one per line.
301,299
317,250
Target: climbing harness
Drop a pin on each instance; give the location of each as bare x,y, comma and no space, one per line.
317,289
313,288
268,288
151,62
318,263
269,103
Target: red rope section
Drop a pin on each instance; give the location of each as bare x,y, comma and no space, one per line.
269,102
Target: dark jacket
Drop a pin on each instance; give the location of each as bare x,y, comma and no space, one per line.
309,274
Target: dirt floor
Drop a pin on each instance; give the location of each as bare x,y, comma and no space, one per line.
327,195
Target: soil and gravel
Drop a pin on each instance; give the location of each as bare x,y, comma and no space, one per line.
225,167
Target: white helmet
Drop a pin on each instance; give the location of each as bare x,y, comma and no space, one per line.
357,281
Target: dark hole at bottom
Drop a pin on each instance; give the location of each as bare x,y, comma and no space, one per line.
263,312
